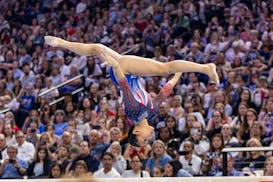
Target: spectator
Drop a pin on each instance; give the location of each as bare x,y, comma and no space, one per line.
80,169
27,102
171,168
255,160
40,167
268,170
230,168
9,135
135,172
91,162
107,171
96,148
55,170
60,123
159,156
172,126
14,167
119,163
190,162
67,141
158,171
200,141
3,147
158,120
26,150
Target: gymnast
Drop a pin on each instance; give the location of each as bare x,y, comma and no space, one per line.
125,71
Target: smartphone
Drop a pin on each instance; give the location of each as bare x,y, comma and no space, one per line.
11,160
183,152
96,127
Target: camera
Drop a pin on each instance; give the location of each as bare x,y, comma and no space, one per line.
96,127
183,152
11,160
33,130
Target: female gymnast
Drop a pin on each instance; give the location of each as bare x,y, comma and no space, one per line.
125,72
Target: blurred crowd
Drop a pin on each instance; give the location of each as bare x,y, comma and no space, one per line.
85,134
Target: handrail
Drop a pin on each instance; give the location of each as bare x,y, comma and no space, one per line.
125,52
4,110
240,149
247,149
60,85
62,98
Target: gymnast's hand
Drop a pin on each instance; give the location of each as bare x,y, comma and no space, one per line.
52,41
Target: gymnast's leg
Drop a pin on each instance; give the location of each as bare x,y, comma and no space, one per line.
148,67
81,48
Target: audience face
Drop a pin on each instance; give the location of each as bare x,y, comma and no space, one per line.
56,171
115,135
159,149
135,163
158,172
84,148
93,136
20,138
107,161
217,142
62,152
80,170
226,130
12,153
268,169
66,138
168,170
42,154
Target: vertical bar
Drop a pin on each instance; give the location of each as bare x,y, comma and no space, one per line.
225,172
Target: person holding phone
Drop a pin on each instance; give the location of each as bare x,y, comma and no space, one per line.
14,167
190,162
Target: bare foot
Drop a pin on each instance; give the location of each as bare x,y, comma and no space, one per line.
213,74
52,41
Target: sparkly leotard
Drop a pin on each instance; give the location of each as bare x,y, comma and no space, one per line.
138,103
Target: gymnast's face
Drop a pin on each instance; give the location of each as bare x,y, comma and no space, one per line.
145,136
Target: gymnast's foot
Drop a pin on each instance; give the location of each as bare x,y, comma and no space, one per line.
52,41
213,74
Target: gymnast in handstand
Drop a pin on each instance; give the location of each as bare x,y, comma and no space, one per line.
136,65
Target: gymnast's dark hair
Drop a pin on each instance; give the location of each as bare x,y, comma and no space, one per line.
132,138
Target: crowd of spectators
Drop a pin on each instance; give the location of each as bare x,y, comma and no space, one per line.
85,134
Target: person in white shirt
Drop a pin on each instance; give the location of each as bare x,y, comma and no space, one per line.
190,162
26,150
135,172
107,171
3,147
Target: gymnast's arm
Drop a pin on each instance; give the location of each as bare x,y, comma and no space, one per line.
166,90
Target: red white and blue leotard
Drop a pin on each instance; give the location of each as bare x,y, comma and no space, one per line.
138,103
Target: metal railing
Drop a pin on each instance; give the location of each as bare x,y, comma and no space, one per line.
62,98
60,85
4,110
225,151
